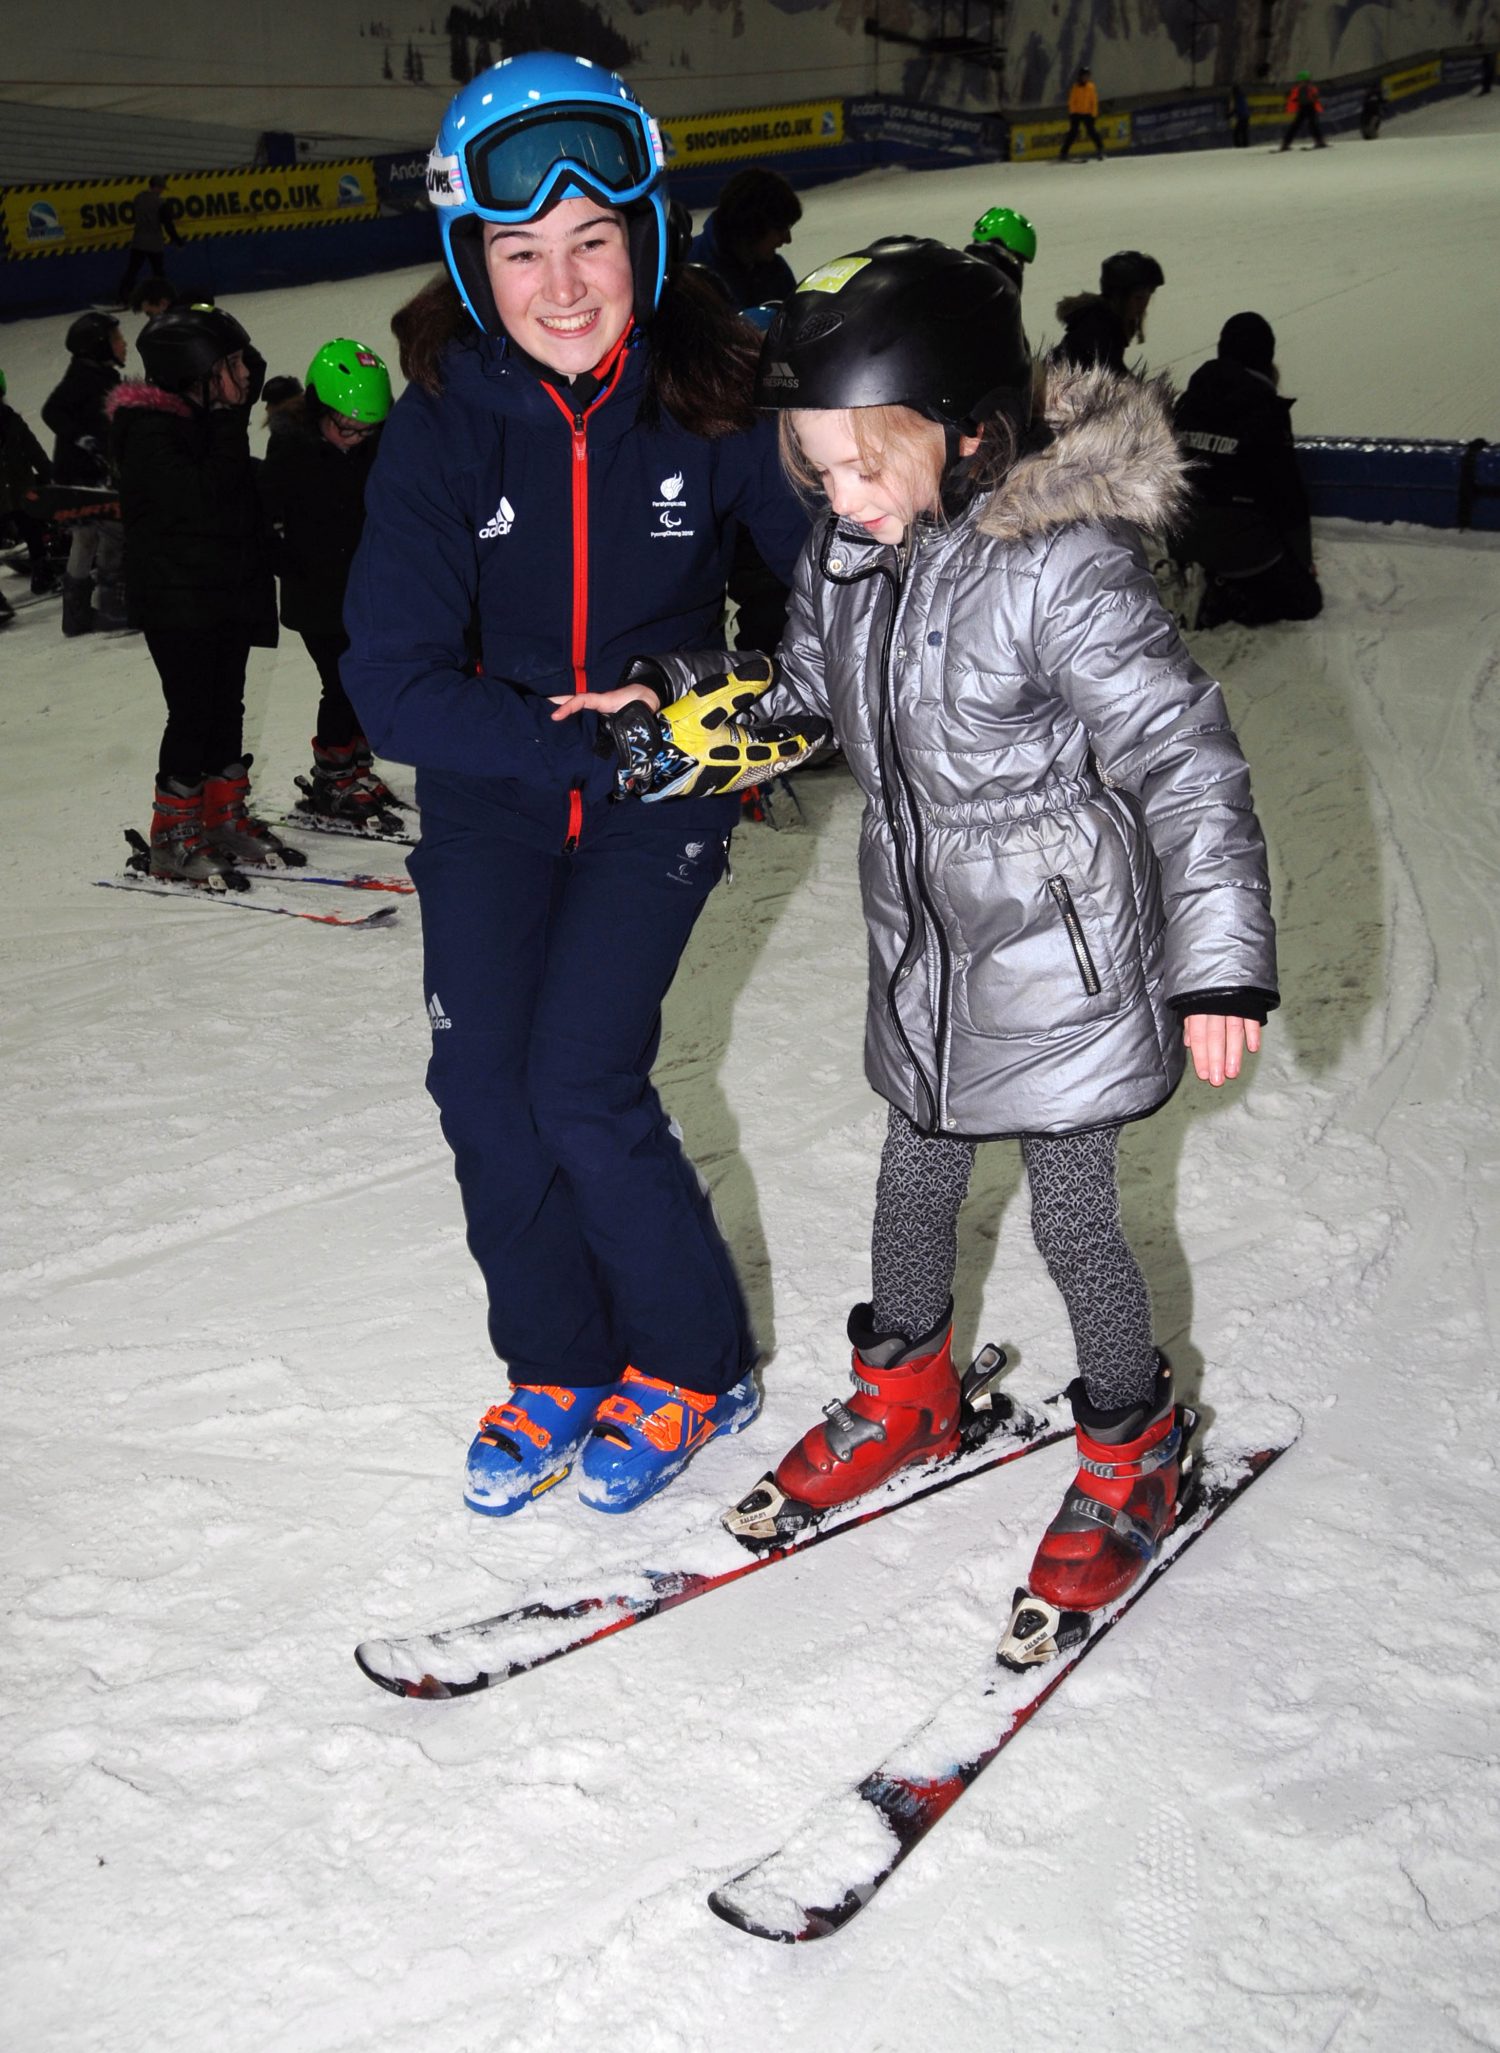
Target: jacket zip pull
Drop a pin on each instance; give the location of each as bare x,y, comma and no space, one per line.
575,819
1063,899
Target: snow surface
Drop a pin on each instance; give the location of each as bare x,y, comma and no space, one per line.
245,1350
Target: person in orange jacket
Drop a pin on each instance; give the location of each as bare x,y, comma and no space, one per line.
1304,103
1083,106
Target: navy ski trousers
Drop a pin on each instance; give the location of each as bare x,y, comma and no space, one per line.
545,972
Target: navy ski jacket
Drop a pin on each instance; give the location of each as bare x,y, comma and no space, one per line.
549,547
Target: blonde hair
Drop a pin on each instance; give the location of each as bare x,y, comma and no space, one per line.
892,443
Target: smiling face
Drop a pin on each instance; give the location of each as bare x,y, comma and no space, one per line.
563,285
879,486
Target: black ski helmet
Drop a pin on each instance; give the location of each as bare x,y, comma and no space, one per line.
92,337
181,346
1127,271
905,322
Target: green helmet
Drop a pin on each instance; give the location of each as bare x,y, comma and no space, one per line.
1005,225
349,378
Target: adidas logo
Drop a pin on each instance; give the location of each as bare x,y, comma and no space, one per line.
500,522
436,1013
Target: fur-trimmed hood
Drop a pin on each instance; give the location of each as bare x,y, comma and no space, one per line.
1113,456
141,394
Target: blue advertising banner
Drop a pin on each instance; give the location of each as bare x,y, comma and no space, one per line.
941,132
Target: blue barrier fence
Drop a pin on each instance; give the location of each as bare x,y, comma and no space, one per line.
1432,484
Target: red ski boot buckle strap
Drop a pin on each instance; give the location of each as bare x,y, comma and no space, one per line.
847,1430
1080,1511
1166,1450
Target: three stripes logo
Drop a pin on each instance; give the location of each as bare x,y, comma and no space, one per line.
436,1014
501,521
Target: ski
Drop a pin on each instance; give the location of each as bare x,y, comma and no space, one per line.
830,1868
139,864
357,882
464,1658
350,830
164,887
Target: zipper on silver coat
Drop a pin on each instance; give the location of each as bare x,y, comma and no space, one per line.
1063,899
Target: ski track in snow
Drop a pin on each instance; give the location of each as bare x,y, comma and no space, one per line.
245,1348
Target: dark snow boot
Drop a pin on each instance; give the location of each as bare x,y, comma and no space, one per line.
110,613
77,606
232,827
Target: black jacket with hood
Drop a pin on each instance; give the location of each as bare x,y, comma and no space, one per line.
197,554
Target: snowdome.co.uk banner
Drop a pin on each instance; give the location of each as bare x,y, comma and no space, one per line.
48,220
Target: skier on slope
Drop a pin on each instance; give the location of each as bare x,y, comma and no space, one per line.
1083,113
1063,877
313,479
1304,107
562,478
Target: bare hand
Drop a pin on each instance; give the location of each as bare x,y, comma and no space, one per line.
605,702
1218,1045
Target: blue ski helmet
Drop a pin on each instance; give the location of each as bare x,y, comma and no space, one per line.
531,131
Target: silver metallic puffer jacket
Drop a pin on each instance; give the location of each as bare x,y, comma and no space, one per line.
1058,834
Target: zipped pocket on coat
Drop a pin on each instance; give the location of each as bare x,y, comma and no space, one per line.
1062,897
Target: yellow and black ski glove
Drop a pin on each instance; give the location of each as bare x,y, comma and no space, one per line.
708,741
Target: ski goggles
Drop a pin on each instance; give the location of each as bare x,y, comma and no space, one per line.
515,170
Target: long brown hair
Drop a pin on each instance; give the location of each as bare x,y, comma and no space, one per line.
702,355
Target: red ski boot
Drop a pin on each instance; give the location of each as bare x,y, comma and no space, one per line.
234,830
180,852
905,1408
1116,1512
344,787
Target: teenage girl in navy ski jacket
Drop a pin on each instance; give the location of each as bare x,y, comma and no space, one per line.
556,496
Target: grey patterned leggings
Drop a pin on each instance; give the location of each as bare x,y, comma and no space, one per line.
1075,1221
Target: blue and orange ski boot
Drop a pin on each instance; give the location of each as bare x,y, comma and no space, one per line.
648,1432
528,1443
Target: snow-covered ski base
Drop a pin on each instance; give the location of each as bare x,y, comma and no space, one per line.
462,1659
828,1870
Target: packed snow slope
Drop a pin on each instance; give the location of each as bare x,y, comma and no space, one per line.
244,1350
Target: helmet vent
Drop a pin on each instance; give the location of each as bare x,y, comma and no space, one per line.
816,326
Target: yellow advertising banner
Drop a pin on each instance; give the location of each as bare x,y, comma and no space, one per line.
716,138
1417,78
1032,141
46,220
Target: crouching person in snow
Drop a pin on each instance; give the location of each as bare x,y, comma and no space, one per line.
1248,524
1063,878
197,579
557,493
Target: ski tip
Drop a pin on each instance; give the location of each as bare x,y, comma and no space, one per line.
376,1659
779,1917
723,1906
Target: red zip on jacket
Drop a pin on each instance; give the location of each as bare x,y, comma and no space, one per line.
613,365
